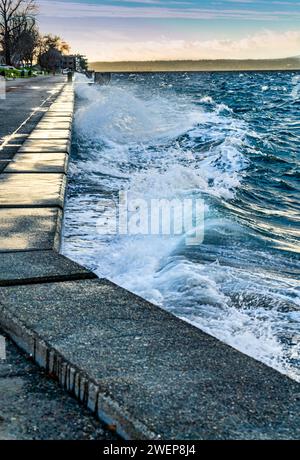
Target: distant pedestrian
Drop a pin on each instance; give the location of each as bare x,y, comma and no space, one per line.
70,76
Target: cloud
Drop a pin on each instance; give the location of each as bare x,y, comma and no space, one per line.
85,26
261,45
61,9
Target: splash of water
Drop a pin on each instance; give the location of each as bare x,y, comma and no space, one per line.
169,145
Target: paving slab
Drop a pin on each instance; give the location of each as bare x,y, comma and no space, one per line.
62,106
39,267
55,118
60,113
46,148
66,99
142,369
19,190
48,145
38,163
30,229
43,134
36,408
56,125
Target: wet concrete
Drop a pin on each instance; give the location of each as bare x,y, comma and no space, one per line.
34,407
24,106
22,100
29,190
38,163
30,229
31,267
144,370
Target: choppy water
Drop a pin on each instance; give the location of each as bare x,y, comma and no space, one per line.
232,139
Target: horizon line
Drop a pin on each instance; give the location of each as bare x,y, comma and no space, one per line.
196,60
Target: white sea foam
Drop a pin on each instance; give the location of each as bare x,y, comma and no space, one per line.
207,100
132,128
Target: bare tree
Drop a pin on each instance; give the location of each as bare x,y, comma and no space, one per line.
29,45
12,13
24,40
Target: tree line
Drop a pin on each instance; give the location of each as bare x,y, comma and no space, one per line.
20,40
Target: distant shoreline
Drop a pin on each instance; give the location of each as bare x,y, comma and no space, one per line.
228,65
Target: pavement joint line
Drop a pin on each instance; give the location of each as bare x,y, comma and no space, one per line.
48,279
33,206
32,172
18,251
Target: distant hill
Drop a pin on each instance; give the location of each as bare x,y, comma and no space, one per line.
292,63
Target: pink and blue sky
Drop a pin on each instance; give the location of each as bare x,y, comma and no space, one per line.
117,30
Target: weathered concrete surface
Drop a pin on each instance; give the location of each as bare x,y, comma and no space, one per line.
32,190
53,125
43,134
23,385
30,229
61,107
39,267
33,407
144,370
57,118
22,96
58,113
32,105
48,146
35,177
38,163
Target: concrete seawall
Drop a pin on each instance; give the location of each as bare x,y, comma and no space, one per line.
137,367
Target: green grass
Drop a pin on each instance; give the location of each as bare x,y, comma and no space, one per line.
17,73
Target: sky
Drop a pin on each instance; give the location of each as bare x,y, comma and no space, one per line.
141,30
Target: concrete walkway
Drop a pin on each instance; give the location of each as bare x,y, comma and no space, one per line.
137,367
23,386
23,97
26,102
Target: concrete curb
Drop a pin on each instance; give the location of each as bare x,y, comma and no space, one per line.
73,380
34,182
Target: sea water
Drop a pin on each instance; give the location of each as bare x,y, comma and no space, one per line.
231,139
